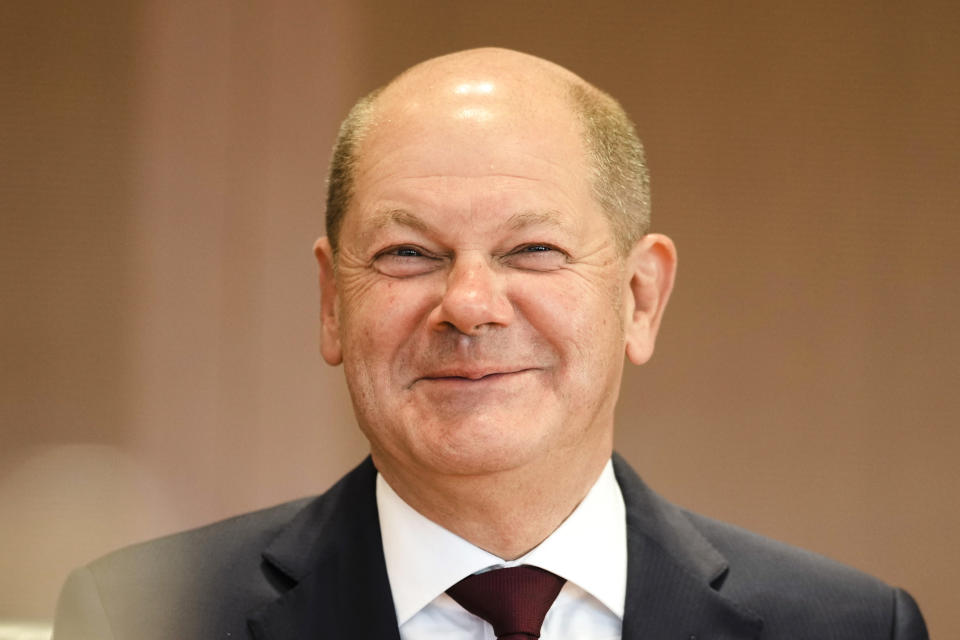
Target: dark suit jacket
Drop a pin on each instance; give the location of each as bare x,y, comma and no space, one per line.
314,569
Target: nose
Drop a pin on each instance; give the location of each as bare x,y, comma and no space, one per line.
474,298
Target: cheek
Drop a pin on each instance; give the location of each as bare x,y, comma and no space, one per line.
571,316
379,319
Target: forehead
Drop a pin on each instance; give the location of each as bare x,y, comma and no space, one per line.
453,135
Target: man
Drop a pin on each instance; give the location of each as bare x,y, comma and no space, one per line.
486,267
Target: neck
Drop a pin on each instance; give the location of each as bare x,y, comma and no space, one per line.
507,512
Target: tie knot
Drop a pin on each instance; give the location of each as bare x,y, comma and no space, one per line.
514,600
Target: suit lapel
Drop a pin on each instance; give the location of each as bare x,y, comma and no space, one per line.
331,555
674,575
333,578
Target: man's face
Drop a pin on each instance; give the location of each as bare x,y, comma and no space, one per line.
479,300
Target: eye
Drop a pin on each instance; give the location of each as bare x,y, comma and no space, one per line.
403,261
537,256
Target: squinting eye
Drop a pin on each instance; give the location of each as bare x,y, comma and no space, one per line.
537,257
405,261
402,251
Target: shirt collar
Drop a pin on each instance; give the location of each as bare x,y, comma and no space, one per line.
589,548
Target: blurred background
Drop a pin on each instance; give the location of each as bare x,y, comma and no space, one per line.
162,169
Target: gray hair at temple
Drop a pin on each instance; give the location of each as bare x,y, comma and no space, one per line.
621,182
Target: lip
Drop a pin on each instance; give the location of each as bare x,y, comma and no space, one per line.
468,375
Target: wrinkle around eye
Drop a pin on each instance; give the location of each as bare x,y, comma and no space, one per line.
405,261
537,257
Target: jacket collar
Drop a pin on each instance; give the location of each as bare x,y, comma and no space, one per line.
332,556
674,575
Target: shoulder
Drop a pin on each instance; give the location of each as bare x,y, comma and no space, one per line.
208,581
793,589
757,560
198,550
796,594
202,576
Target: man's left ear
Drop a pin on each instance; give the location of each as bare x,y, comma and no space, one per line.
651,267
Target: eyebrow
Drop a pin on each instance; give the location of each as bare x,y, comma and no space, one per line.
400,217
388,217
525,219
516,222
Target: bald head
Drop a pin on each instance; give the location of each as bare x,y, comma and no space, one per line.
493,91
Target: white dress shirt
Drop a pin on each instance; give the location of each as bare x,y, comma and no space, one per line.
589,549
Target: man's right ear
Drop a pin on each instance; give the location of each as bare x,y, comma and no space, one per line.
329,304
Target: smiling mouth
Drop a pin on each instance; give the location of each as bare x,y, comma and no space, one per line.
472,377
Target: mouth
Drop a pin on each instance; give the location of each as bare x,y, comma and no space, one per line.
468,376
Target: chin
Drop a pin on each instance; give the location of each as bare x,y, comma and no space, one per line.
479,449
477,463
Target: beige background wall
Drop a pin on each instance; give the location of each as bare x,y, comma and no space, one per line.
162,182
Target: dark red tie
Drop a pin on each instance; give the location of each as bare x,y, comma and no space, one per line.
514,600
